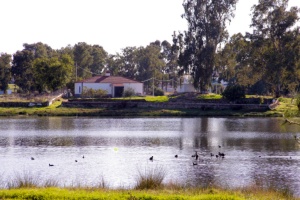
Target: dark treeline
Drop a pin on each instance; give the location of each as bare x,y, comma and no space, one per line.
266,61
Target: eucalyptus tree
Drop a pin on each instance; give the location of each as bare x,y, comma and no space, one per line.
206,30
99,59
150,65
275,43
127,62
89,59
5,74
83,59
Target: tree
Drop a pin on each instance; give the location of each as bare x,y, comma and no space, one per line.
5,74
22,70
83,59
99,59
150,65
275,43
52,73
206,29
22,64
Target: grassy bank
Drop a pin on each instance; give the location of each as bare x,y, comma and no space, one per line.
183,194
149,185
57,110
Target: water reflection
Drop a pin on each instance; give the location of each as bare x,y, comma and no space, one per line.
258,150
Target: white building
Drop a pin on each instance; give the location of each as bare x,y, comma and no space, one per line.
186,85
114,85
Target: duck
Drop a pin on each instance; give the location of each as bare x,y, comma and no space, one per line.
32,158
75,160
151,158
222,154
194,163
83,156
195,155
176,156
51,165
211,154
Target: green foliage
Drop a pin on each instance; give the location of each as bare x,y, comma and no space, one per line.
209,96
89,59
129,92
5,71
298,101
92,93
52,73
158,92
22,64
234,92
205,32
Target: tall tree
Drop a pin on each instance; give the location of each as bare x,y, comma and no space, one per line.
83,59
99,59
206,29
53,73
22,64
273,39
5,74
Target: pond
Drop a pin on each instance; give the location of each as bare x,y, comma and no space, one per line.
86,151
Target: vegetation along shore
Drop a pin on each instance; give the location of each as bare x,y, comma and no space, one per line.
58,108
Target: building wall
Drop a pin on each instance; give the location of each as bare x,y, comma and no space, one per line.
186,88
137,87
95,86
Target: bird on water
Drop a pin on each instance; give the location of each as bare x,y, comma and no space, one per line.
151,158
51,165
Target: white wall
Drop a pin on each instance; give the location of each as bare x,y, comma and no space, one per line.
137,87
96,86
186,88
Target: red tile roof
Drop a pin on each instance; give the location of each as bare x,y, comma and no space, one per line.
108,79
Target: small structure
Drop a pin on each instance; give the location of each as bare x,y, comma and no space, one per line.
114,85
186,85
9,91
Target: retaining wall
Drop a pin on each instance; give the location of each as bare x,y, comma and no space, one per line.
166,105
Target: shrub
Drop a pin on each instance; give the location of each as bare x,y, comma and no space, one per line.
150,179
129,92
234,92
92,93
158,92
298,101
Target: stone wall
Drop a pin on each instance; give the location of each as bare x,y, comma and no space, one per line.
166,105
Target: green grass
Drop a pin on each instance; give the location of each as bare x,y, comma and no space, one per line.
161,194
210,96
57,110
146,98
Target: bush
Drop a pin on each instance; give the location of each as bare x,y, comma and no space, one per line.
129,92
234,92
150,178
298,101
158,92
92,93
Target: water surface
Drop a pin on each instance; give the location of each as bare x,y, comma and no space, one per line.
257,151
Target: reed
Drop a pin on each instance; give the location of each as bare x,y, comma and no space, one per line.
23,180
150,178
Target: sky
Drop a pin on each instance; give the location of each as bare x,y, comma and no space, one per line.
112,24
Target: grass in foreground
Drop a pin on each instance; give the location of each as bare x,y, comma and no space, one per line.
184,194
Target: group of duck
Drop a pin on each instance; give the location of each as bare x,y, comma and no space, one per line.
196,156
51,165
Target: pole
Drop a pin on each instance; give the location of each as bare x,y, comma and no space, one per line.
76,70
153,86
